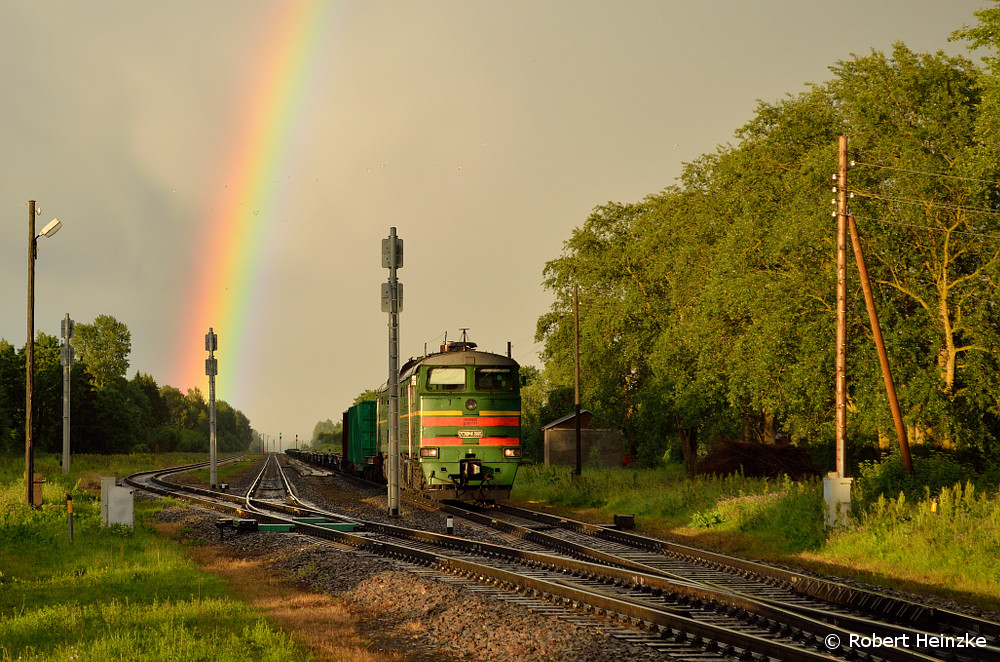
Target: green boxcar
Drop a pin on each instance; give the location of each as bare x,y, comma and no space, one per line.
361,439
459,424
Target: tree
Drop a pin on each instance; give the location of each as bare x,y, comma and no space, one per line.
324,432
621,313
931,233
11,398
109,414
158,411
104,347
711,304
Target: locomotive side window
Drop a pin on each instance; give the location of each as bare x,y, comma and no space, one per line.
446,379
495,379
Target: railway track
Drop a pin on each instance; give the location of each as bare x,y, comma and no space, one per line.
827,601
705,614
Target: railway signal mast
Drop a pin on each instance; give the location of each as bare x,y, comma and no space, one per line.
392,303
68,328
211,369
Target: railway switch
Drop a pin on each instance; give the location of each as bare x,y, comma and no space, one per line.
238,525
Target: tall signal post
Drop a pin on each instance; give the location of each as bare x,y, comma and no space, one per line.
68,327
392,303
211,369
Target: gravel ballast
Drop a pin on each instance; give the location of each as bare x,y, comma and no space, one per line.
403,611
400,610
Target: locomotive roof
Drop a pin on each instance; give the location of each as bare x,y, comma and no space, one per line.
467,357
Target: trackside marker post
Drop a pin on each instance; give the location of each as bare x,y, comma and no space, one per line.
69,514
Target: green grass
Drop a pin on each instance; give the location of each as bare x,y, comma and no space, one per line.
225,473
952,541
86,470
664,500
114,593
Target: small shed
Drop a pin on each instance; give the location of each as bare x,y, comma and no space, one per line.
597,446
568,422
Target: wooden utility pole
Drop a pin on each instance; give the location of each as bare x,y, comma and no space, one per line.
576,375
29,362
841,364
883,355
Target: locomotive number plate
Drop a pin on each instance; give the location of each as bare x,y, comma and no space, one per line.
470,434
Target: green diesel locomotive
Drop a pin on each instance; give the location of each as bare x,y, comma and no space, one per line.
459,425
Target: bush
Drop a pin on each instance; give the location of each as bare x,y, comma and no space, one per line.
889,478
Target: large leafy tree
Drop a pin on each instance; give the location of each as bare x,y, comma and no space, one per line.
621,314
104,347
934,244
712,304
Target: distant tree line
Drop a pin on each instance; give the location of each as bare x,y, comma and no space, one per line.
327,433
708,311
108,413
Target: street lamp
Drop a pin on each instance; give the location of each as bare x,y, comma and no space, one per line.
29,359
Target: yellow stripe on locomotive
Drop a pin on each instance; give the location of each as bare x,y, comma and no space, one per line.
459,424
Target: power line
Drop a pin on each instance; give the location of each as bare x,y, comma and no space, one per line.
925,227
923,203
926,172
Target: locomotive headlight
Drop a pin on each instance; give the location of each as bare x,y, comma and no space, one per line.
428,452
512,452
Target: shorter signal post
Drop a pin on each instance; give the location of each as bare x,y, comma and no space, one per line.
392,303
211,369
68,328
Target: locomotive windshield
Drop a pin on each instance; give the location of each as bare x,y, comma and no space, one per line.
495,379
446,379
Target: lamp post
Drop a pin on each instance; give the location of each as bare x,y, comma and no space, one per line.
29,349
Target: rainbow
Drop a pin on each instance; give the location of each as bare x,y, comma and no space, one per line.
227,288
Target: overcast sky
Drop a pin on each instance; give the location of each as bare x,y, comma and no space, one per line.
483,131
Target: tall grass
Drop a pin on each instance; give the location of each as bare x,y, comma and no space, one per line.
787,514
951,540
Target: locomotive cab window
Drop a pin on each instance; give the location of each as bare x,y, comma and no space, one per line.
446,379
495,379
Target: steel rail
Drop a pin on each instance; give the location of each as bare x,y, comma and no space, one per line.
601,564
809,632
922,616
905,618
822,621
